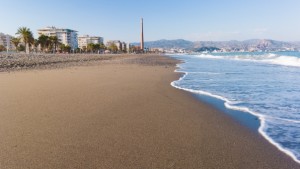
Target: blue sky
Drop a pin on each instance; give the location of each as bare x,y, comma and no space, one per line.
194,20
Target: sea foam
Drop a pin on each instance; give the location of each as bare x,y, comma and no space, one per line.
267,120
269,58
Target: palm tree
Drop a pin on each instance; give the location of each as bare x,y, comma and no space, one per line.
113,48
90,47
16,42
31,42
36,44
102,46
54,41
43,41
65,48
2,48
26,36
68,49
84,49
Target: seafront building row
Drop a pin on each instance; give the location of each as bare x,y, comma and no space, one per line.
67,37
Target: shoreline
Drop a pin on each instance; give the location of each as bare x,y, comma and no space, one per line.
242,115
246,119
120,114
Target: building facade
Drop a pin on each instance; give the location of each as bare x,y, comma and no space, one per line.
84,40
65,36
5,40
122,46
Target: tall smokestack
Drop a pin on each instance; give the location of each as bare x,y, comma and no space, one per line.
142,35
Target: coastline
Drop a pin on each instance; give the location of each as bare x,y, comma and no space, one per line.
252,120
120,114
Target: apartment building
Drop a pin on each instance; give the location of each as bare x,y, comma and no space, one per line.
66,36
120,45
5,40
84,40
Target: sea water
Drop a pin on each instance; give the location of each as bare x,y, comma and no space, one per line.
266,85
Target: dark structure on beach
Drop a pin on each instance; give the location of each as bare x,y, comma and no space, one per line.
142,35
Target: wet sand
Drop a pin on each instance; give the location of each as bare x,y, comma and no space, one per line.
120,114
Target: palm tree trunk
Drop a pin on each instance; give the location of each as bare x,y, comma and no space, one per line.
27,48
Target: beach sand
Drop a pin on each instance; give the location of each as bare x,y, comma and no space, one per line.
120,114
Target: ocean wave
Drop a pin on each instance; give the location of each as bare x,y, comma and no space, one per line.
285,120
208,73
268,58
231,105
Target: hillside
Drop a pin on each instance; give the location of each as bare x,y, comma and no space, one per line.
178,43
252,44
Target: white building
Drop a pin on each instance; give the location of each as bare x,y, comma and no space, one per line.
5,40
124,46
157,50
66,36
120,45
84,40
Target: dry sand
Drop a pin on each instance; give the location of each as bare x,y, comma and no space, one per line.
119,115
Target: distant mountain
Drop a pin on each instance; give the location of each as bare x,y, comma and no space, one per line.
178,43
252,44
262,44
